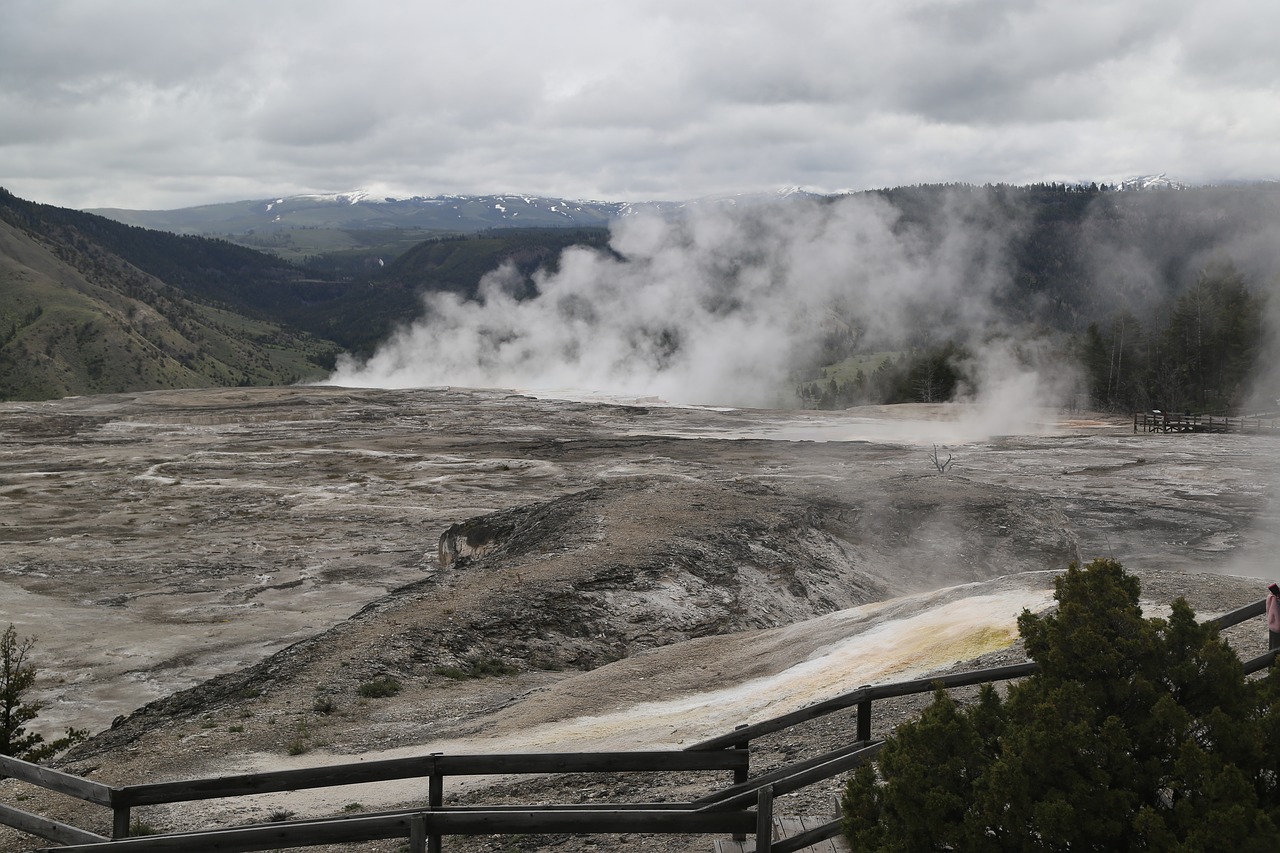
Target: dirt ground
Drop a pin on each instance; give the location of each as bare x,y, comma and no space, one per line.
219,571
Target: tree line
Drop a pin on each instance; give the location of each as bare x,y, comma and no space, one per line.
1200,354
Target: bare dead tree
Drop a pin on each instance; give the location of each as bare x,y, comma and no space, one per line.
938,462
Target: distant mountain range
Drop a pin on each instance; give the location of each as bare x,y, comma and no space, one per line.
274,224
360,210
363,211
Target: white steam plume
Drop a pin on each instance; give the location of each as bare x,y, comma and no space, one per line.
720,307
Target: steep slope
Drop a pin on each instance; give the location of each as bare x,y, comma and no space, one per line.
76,317
457,265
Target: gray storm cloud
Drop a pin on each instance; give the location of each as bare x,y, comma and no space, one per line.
719,307
156,105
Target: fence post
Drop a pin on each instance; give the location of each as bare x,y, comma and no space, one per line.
740,775
864,720
120,822
435,799
764,819
417,834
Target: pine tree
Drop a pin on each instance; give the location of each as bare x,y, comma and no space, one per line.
17,676
1136,734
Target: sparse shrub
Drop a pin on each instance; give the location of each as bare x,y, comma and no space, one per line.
380,688
298,746
236,729
477,668
353,807
324,705
280,815
140,827
485,667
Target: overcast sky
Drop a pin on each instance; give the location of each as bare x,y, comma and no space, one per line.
166,104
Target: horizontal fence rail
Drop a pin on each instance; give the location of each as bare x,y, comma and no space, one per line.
422,767
426,823
1261,662
795,781
434,768
756,782
43,827
1240,614
56,780
863,695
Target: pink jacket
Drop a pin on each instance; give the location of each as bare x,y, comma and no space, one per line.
1273,613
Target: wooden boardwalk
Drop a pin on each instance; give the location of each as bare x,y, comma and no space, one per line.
787,827
1156,421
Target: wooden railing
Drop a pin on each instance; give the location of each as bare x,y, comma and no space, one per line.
423,829
1175,422
432,768
728,810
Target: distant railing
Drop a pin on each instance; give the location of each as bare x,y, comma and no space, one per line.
727,810
1156,420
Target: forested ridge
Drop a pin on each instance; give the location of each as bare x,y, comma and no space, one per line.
1160,294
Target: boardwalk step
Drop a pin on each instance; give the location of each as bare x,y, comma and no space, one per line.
786,827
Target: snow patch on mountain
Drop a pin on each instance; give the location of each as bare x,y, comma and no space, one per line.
1161,181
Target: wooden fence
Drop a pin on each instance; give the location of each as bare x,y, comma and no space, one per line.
1173,422
743,807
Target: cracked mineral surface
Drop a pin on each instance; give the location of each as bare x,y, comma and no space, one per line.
219,572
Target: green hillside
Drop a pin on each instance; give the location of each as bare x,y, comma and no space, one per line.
457,265
78,318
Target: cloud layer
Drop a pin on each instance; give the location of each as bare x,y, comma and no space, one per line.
155,104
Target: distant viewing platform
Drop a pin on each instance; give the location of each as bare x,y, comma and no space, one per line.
1158,421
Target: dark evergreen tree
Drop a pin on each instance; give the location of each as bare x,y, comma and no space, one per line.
1137,734
1214,336
17,677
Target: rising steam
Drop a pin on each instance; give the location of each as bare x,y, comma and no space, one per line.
721,306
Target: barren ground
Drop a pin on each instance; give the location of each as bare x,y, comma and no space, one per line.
622,576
